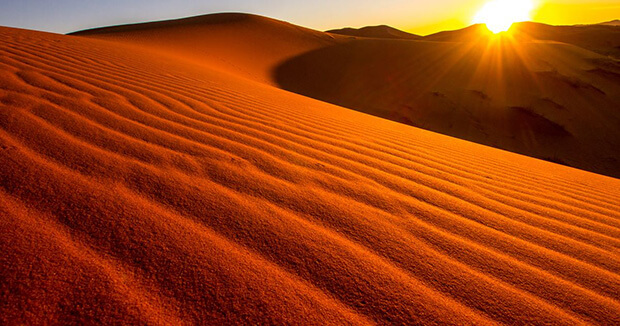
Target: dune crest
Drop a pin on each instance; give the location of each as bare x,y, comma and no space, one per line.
603,39
612,23
246,45
138,189
383,32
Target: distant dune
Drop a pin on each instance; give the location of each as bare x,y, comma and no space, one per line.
245,45
603,38
152,174
612,23
385,32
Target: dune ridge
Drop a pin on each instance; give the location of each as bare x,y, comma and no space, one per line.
615,22
147,190
228,42
382,31
602,38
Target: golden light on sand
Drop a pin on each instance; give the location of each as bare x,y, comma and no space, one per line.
234,169
499,15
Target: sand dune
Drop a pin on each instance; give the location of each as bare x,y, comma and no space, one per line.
143,189
602,38
612,23
383,31
246,45
548,100
538,98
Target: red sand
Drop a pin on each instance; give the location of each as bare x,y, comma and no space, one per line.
142,189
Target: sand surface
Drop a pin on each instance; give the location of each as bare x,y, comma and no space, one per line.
523,92
249,46
550,92
155,189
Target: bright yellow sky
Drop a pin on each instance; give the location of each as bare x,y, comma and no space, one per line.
559,12
573,12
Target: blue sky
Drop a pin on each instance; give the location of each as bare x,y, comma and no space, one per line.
64,16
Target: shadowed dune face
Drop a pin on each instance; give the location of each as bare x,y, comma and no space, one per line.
540,99
612,23
603,38
139,189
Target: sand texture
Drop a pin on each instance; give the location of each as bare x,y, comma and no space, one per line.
147,187
550,92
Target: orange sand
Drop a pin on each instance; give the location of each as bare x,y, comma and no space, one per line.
525,92
155,189
246,45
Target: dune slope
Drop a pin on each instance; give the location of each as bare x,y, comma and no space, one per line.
603,38
537,98
611,23
247,45
140,189
548,100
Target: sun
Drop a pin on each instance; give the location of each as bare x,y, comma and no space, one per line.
499,15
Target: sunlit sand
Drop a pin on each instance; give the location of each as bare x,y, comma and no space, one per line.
193,172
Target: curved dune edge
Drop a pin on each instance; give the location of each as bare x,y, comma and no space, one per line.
245,45
140,190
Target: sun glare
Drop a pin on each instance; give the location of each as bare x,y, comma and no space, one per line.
499,15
